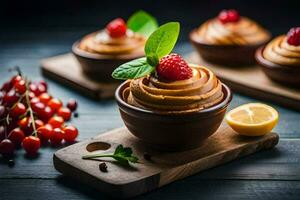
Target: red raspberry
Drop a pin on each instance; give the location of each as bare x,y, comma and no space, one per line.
116,28
173,68
226,16
293,36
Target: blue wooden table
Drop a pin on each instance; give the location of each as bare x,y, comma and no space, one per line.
272,174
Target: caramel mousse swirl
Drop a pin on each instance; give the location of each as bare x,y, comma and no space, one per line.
243,32
201,91
279,51
101,43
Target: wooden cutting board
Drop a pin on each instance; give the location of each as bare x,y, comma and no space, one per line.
124,182
250,80
66,70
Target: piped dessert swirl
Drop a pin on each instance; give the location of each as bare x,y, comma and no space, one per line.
201,91
279,51
242,32
101,43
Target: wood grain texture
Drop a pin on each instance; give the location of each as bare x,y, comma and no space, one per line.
189,188
66,69
252,81
164,168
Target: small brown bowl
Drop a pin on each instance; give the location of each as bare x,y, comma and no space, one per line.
231,55
177,132
287,75
100,67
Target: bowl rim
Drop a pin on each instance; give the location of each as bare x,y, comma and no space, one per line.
192,39
84,54
224,103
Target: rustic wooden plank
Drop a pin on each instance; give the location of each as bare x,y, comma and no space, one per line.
190,188
280,163
164,168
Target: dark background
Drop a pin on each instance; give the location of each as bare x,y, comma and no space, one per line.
85,16
32,30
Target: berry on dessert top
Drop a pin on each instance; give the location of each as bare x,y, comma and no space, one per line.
293,36
116,28
226,16
140,22
172,67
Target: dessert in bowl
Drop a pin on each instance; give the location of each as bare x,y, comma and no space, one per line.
99,53
229,39
174,107
280,58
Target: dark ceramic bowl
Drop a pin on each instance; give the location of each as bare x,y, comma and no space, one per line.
231,55
175,132
287,75
100,67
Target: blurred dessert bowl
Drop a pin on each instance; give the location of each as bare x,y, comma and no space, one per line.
280,58
229,39
176,105
100,52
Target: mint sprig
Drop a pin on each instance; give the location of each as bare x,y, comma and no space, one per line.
160,43
142,22
122,155
133,69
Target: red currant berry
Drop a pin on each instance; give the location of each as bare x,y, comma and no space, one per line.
39,123
24,123
293,36
64,113
227,16
42,82
57,136
72,104
45,98
55,104
116,28
71,133
16,136
6,86
41,89
2,133
18,110
45,132
15,79
10,98
34,100
7,148
31,145
34,88
56,121
38,108
20,86
46,114
31,95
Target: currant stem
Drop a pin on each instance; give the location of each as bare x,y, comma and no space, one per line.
30,109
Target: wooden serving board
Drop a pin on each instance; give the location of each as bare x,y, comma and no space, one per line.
124,182
250,80
66,69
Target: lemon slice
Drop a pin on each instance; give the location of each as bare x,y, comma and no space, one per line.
253,119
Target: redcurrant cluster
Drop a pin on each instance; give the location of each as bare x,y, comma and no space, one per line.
31,117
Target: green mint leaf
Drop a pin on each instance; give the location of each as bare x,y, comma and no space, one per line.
142,22
121,151
162,41
134,69
122,155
